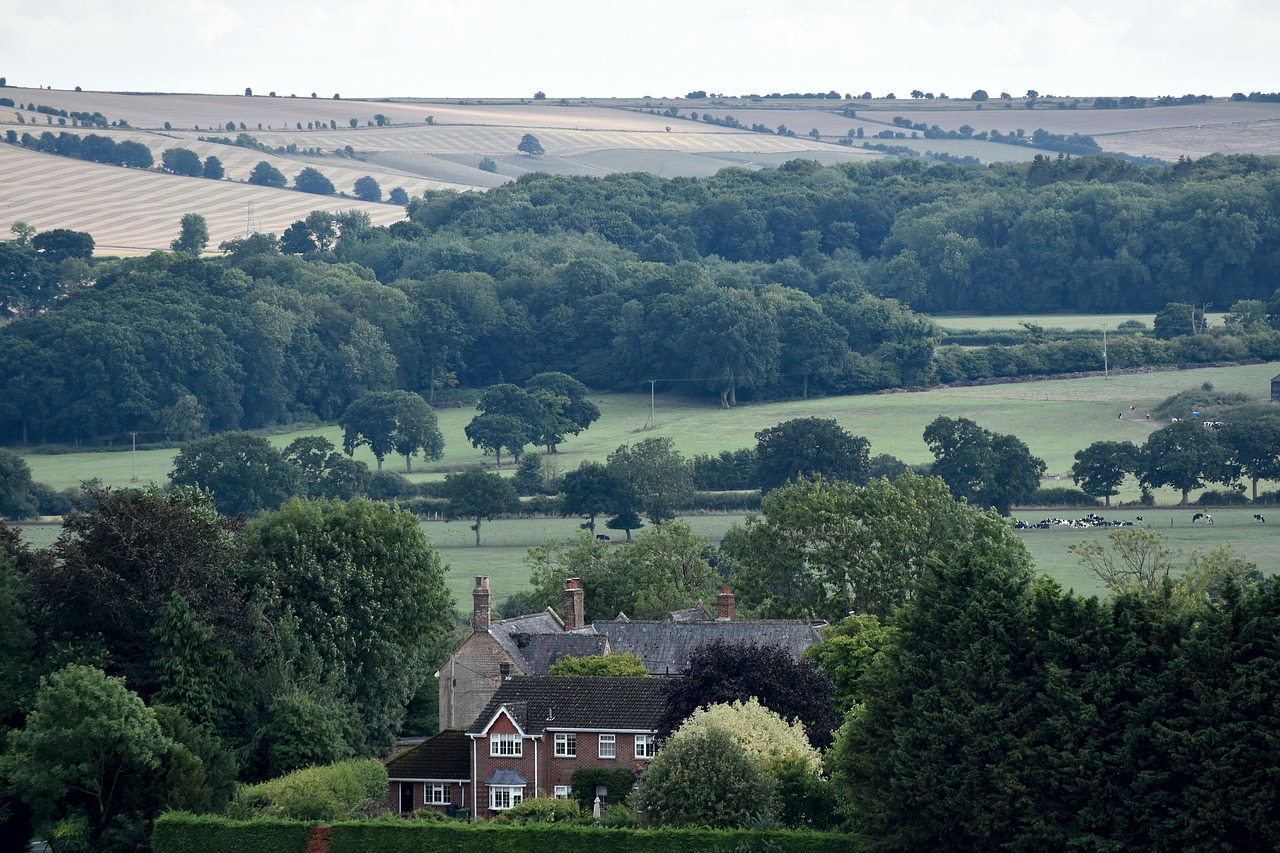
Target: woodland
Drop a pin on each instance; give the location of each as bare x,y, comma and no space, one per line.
768,284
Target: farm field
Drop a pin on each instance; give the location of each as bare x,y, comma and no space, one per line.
1054,417
438,143
506,543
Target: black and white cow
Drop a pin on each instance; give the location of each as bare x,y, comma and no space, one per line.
1202,516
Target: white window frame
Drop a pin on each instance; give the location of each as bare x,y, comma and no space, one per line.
503,797
435,794
562,792
646,746
502,745
566,745
608,747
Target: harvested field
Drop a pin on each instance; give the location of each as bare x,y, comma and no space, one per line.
132,211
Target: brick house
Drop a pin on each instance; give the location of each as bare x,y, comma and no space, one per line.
529,645
536,731
435,774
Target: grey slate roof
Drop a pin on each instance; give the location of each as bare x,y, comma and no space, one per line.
506,630
540,651
665,647
569,702
444,757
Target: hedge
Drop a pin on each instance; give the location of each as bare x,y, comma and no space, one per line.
184,833
180,832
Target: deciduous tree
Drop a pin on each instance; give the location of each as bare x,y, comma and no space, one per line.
655,475
312,180
368,592
266,175
244,472
1101,467
1185,456
987,468
809,447
475,493
367,189
194,235
530,145
392,420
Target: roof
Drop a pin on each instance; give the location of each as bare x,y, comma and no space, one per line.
540,651
446,756
696,613
506,630
568,702
665,647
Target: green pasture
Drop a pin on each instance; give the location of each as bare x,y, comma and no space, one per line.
1066,322
1054,417
506,542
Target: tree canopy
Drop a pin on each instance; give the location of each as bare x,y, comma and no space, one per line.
392,420
986,468
480,495
809,447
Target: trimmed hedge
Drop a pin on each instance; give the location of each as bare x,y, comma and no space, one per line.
184,833
180,832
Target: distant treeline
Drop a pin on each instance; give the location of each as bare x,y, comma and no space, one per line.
770,284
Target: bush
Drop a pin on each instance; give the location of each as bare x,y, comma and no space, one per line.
388,486
328,793
1061,496
584,781
179,832
1213,497
543,810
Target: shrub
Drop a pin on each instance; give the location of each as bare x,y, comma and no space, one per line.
543,810
388,485
1214,497
328,793
1061,496
617,781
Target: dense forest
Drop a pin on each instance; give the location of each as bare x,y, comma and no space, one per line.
777,283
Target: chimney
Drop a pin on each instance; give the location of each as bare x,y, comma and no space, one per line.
573,604
724,605
480,605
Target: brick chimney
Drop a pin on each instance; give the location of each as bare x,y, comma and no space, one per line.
724,605
480,605
573,604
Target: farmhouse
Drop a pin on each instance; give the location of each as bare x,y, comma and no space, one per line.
537,731
530,645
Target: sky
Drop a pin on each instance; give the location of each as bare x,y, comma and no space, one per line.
657,48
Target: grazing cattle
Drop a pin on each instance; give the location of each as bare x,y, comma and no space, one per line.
600,537
1259,518
1202,516
1138,518
1147,416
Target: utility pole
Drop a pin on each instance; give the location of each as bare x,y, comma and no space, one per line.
653,421
134,478
1106,369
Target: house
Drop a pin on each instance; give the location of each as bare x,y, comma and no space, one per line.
537,730
529,645
495,651
435,774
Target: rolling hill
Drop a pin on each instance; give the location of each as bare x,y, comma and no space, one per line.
423,144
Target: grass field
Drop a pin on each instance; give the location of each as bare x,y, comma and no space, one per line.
1056,418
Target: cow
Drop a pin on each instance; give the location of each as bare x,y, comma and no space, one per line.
1258,518
1202,516
600,537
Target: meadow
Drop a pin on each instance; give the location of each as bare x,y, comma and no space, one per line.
1054,417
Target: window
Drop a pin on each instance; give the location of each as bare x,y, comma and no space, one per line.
436,794
608,746
645,747
502,797
562,792
505,745
566,745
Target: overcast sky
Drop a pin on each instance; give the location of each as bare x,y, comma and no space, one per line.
602,48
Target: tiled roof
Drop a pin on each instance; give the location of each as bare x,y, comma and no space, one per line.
505,631
540,651
447,756
546,702
665,647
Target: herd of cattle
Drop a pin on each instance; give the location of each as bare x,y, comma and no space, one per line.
1090,520
1095,520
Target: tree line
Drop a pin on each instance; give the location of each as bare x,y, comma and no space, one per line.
779,283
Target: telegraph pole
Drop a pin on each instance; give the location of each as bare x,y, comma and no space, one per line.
134,478
1106,370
